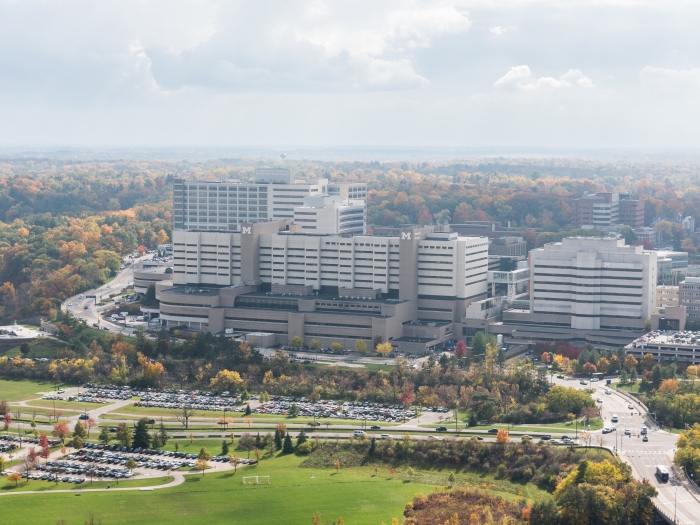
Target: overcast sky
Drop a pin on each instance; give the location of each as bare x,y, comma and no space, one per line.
560,73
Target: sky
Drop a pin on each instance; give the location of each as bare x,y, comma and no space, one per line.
441,73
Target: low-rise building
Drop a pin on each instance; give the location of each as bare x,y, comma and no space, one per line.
667,296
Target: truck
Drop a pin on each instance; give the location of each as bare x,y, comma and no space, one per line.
608,381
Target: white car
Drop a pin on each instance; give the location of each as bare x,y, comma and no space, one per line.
628,432
70,304
608,392
595,380
630,407
599,400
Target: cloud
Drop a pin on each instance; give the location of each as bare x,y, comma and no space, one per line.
520,77
500,31
677,79
317,46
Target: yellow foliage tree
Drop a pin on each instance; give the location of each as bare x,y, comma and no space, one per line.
502,436
227,380
150,370
384,348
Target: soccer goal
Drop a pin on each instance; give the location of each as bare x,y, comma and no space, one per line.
256,480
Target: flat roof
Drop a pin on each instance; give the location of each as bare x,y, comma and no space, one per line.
671,338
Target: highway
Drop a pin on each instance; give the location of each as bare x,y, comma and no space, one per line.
677,498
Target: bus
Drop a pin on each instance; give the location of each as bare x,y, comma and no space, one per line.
661,473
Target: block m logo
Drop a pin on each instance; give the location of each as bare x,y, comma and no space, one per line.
405,236
247,230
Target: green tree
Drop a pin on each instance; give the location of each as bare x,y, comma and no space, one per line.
293,410
162,433
301,438
479,345
224,448
104,437
79,430
142,438
204,454
131,464
278,439
360,346
288,446
296,342
123,434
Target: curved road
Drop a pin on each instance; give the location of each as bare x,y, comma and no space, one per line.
677,498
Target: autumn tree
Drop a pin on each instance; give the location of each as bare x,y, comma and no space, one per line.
630,363
460,349
384,348
60,431
227,380
502,436
647,362
360,346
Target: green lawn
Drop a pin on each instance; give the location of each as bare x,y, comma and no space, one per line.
7,486
293,496
39,347
64,405
22,389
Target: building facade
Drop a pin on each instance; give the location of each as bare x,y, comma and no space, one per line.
330,215
689,296
273,278
667,296
595,283
225,205
606,211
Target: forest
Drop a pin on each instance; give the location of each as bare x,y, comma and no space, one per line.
64,225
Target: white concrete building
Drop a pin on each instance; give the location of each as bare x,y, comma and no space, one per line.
597,283
330,215
225,205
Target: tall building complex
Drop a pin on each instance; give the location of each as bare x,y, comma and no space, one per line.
606,211
273,195
272,277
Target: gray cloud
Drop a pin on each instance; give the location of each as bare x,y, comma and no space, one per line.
441,72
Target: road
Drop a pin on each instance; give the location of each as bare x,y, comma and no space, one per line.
677,497
91,314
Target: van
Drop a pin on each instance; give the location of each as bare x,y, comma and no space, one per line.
358,433
614,419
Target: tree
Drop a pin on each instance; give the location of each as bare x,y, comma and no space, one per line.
224,448
360,346
79,430
336,464
233,458
123,434
589,368
163,434
336,346
24,348
502,436
288,446
60,431
184,416
16,477
201,464
630,363
655,375
460,350
384,348
294,410
142,438
204,454
104,435
278,439
479,344
564,400
301,438
603,365
296,342
131,464
77,442
669,385
227,380
315,345
406,399
647,362
89,425
7,421
44,447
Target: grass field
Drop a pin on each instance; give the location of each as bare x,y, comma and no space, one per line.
64,405
292,497
20,390
39,347
8,486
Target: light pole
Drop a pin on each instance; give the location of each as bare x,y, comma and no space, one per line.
675,506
